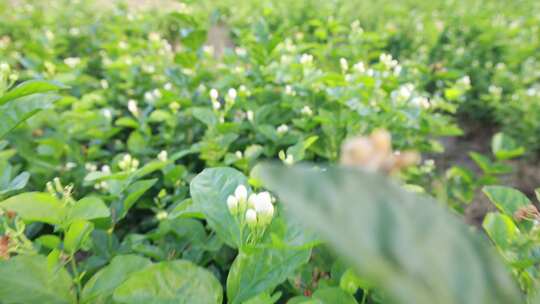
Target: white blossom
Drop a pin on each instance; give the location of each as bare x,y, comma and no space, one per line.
133,108
306,110
343,64
251,218
214,94
250,115
282,129
162,156
232,204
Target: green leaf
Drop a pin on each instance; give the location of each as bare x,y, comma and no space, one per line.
78,232
170,282
500,228
35,206
206,116
334,295
30,280
100,287
134,192
506,199
401,242
257,270
17,111
504,147
88,208
209,191
29,88
16,184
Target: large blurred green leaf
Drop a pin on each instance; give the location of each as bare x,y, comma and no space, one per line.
30,280
17,111
30,87
209,191
36,206
170,282
403,243
101,286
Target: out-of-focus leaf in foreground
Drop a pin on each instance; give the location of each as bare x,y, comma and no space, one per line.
405,244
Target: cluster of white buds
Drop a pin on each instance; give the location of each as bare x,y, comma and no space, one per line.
152,96
261,204
388,61
306,110
256,210
359,67
421,102
72,62
239,154
214,98
403,93
128,163
133,108
163,156
282,129
306,59
374,153
56,189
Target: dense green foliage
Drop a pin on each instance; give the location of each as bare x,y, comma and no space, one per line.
130,143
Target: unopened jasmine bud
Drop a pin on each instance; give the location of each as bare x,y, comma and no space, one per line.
250,115
231,94
58,185
241,193
232,204
282,129
214,94
163,156
161,215
344,64
251,200
251,218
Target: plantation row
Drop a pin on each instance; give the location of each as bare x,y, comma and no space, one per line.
259,153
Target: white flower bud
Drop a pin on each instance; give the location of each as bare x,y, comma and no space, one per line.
162,156
251,200
306,110
251,218
250,115
133,108
282,129
214,94
232,204
264,208
231,94
344,64
241,193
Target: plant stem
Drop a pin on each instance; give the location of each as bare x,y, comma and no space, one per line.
365,296
76,274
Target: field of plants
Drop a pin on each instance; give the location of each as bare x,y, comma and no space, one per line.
261,152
